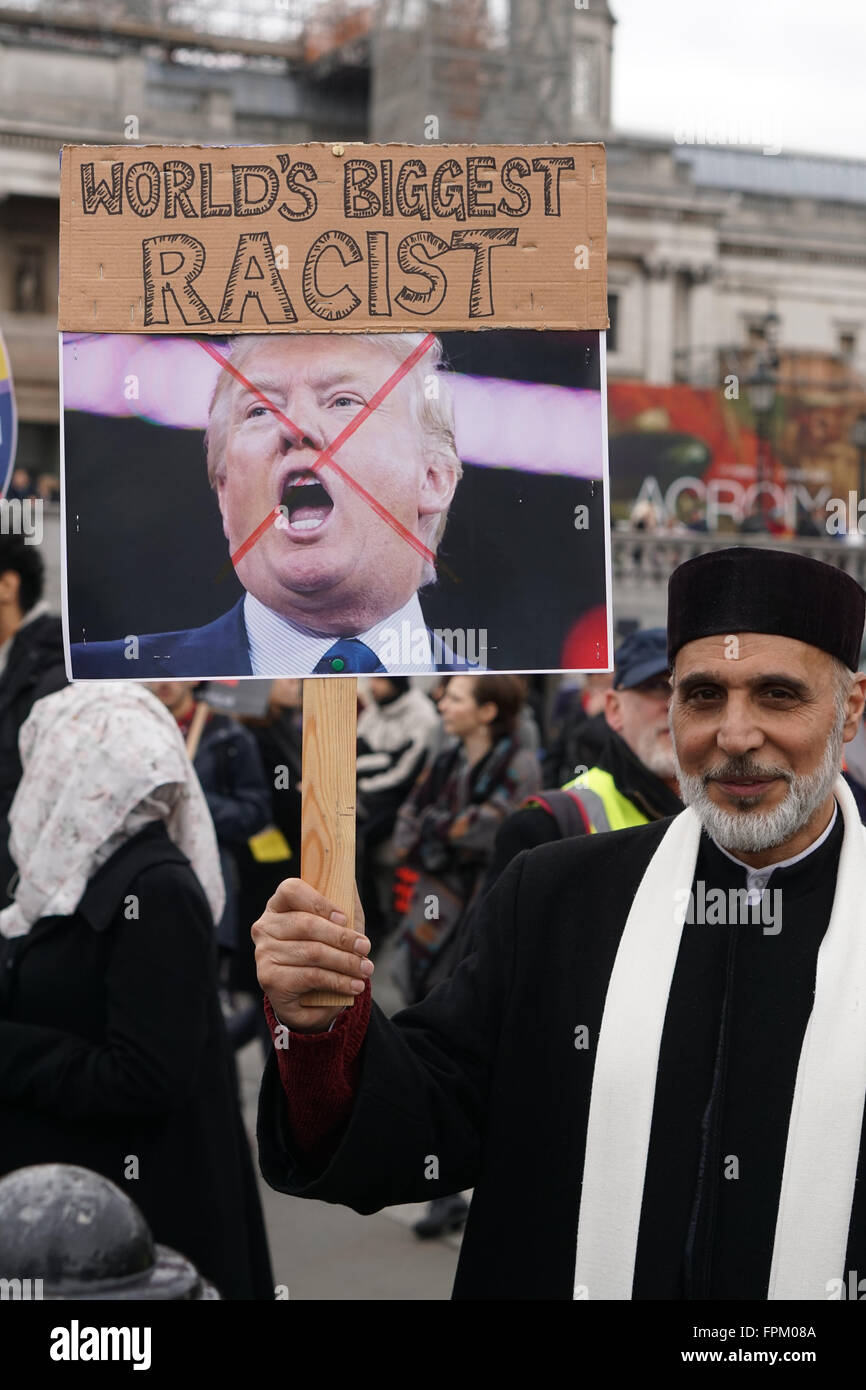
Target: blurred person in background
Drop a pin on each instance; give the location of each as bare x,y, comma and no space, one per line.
113,1052
20,485
31,665
445,830
582,733
530,718
644,517
632,779
232,778
48,487
274,853
444,838
397,729
279,738
434,695
854,766
694,513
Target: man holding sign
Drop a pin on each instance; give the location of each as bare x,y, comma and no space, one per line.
671,1074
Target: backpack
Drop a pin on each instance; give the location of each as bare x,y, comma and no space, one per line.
566,809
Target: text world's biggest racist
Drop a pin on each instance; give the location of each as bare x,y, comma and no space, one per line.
388,236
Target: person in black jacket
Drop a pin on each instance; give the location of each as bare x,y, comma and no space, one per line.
233,781
113,1052
578,741
31,665
265,861
630,742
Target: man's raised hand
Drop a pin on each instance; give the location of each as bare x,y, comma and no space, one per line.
302,944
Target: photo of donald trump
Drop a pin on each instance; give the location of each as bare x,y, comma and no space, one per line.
333,579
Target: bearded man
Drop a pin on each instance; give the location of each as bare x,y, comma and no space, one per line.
674,1075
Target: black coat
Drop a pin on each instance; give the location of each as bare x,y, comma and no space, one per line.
229,767
530,826
484,1075
577,745
112,1047
33,668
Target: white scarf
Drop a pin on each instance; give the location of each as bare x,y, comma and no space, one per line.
101,760
823,1144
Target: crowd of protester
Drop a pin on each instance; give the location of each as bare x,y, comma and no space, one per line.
24,485
143,832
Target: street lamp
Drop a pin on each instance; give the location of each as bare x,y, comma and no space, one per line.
761,391
771,326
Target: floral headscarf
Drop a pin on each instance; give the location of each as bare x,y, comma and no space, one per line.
101,760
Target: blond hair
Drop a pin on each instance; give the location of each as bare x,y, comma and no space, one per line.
434,413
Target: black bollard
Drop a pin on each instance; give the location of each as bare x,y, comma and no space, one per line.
67,1233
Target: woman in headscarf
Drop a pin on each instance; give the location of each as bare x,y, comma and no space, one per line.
113,1053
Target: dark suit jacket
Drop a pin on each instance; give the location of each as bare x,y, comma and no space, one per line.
217,649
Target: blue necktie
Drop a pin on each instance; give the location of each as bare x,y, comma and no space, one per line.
349,657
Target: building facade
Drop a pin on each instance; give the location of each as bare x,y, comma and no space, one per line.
720,259
704,243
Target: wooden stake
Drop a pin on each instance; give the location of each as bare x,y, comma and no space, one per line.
196,725
328,799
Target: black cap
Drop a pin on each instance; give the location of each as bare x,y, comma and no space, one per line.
751,589
641,656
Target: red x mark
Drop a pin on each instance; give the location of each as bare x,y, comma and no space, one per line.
327,455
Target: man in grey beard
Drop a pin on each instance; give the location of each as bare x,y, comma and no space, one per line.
749,827
683,1088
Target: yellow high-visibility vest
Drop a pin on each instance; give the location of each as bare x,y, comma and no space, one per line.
604,803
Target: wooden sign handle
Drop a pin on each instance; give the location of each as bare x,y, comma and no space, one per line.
196,727
328,799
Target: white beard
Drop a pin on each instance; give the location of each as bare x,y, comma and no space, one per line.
752,831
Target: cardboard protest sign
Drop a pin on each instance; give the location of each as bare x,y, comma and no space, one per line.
310,492
331,238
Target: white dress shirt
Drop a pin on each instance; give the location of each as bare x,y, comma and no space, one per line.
279,647
757,879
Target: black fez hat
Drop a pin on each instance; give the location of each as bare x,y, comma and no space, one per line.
750,589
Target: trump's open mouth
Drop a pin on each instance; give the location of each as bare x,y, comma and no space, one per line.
305,503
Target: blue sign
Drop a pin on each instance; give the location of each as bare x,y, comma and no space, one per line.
8,420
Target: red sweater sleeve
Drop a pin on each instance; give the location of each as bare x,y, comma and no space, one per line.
319,1073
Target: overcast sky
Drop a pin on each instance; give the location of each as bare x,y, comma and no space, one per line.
771,72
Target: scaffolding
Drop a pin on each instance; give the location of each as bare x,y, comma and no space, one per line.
487,70
326,22
516,71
